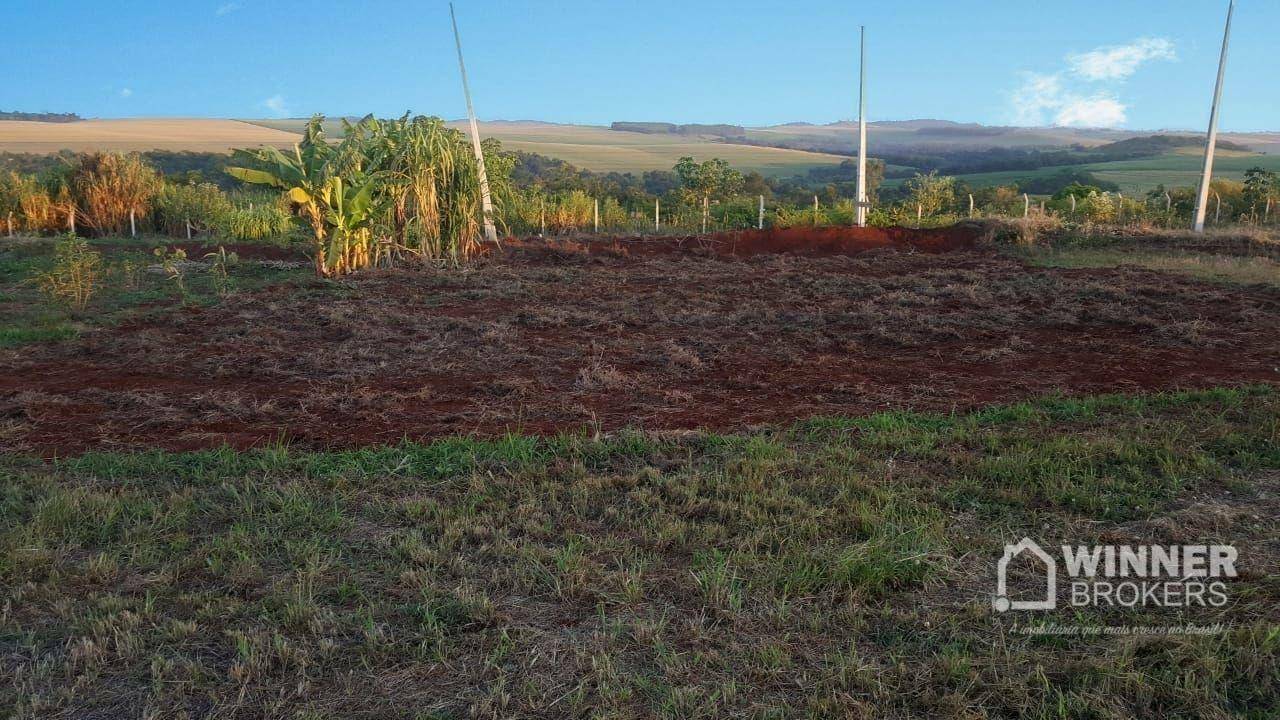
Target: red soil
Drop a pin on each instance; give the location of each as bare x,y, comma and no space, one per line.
680,333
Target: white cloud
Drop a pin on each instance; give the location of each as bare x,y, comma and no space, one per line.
1096,111
126,92
1118,62
227,8
1072,97
276,106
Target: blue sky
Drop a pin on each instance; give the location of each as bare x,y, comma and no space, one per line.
1118,63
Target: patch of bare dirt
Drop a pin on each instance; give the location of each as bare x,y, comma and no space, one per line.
716,333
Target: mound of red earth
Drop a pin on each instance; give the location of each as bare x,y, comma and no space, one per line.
802,241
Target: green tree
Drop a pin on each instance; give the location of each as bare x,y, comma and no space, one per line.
1260,184
712,179
933,193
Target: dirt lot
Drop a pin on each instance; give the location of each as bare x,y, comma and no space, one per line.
720,333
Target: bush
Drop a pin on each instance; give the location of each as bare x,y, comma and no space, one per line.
110,186
256,219
74,277
204,206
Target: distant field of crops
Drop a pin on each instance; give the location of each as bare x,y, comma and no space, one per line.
176,134
1139,176
603,150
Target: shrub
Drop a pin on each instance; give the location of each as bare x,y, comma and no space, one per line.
204,206
74,277
109,186
256,219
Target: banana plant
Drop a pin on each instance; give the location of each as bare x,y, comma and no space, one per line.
303,176
349,220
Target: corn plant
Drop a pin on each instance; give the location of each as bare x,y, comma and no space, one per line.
172,262
220,268
74,278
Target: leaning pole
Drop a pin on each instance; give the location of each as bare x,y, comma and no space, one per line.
486,202
1202,198
862,130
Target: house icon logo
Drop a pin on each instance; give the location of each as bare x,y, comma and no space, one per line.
1001,601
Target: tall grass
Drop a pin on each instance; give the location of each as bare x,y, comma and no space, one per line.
107,187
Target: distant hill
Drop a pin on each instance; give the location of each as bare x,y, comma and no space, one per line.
40,117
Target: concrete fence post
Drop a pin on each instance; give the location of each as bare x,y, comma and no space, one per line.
919,213
1026,205
1168,202
656,223
760,217
1217,208
133,227
71,219
597,216
970,204
706,210
188,229
10,223
542,217
1119,207
1073,204
815,211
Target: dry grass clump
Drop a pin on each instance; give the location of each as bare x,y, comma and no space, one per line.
109,186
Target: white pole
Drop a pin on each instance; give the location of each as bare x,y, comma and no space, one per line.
970,204
486,202
1217,209
760,218
656,215
1211,140
133,228
10,223
1026,205
1168,202
542,216
815,211
919,213
861,211
1119,207
71,219
706,207
188,229
1265,216
597,216
1073,204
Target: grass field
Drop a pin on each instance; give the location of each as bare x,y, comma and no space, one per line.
681,485
1135,177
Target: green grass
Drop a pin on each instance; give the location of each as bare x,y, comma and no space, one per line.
842,567
131,285
1224,269
1136,177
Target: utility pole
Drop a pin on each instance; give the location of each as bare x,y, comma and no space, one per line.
1202,198
486,202
861,213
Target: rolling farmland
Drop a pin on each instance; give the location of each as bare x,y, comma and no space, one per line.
177,134
603,150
